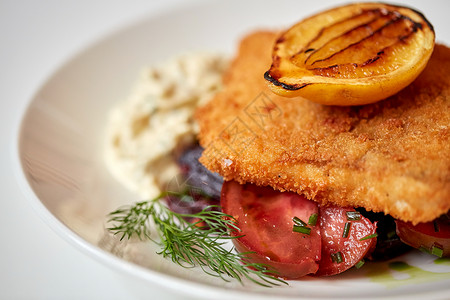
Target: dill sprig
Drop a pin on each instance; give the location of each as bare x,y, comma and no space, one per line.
190,244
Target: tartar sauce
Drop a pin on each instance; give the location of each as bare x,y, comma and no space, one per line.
145,132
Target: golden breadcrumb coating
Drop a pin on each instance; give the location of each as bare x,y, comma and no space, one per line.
392,156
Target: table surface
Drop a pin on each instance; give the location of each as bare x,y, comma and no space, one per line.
36,37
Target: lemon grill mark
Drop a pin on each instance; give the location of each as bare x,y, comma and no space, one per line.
386,29
348,26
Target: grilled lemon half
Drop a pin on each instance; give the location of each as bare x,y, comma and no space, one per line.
351,55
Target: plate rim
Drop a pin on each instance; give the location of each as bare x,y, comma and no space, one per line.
182,285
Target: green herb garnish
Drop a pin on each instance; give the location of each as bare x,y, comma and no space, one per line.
302,229
353,215
300,226
370,236
424,249
337,257
191,244
359,264
346,230
299,222
313,219
437,250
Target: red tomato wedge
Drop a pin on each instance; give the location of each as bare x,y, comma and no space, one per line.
350,249
265,217
427,235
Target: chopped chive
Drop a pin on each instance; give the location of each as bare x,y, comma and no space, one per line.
299,222
436,226
370,236
313,220
424,249
437,250
337,257
346,229
353,215
300,226
302,229
359,264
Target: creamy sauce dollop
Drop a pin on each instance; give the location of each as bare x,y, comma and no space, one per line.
146,132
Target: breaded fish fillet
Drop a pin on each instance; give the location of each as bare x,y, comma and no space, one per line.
392,156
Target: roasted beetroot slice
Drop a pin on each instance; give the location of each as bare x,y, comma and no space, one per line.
197,175
388,244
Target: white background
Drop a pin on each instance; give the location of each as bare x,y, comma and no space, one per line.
36,37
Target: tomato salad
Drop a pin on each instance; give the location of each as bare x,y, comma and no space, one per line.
295,236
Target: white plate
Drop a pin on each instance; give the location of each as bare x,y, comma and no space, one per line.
60,151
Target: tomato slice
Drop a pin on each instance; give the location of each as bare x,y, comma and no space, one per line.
351,249
265,217
427,235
